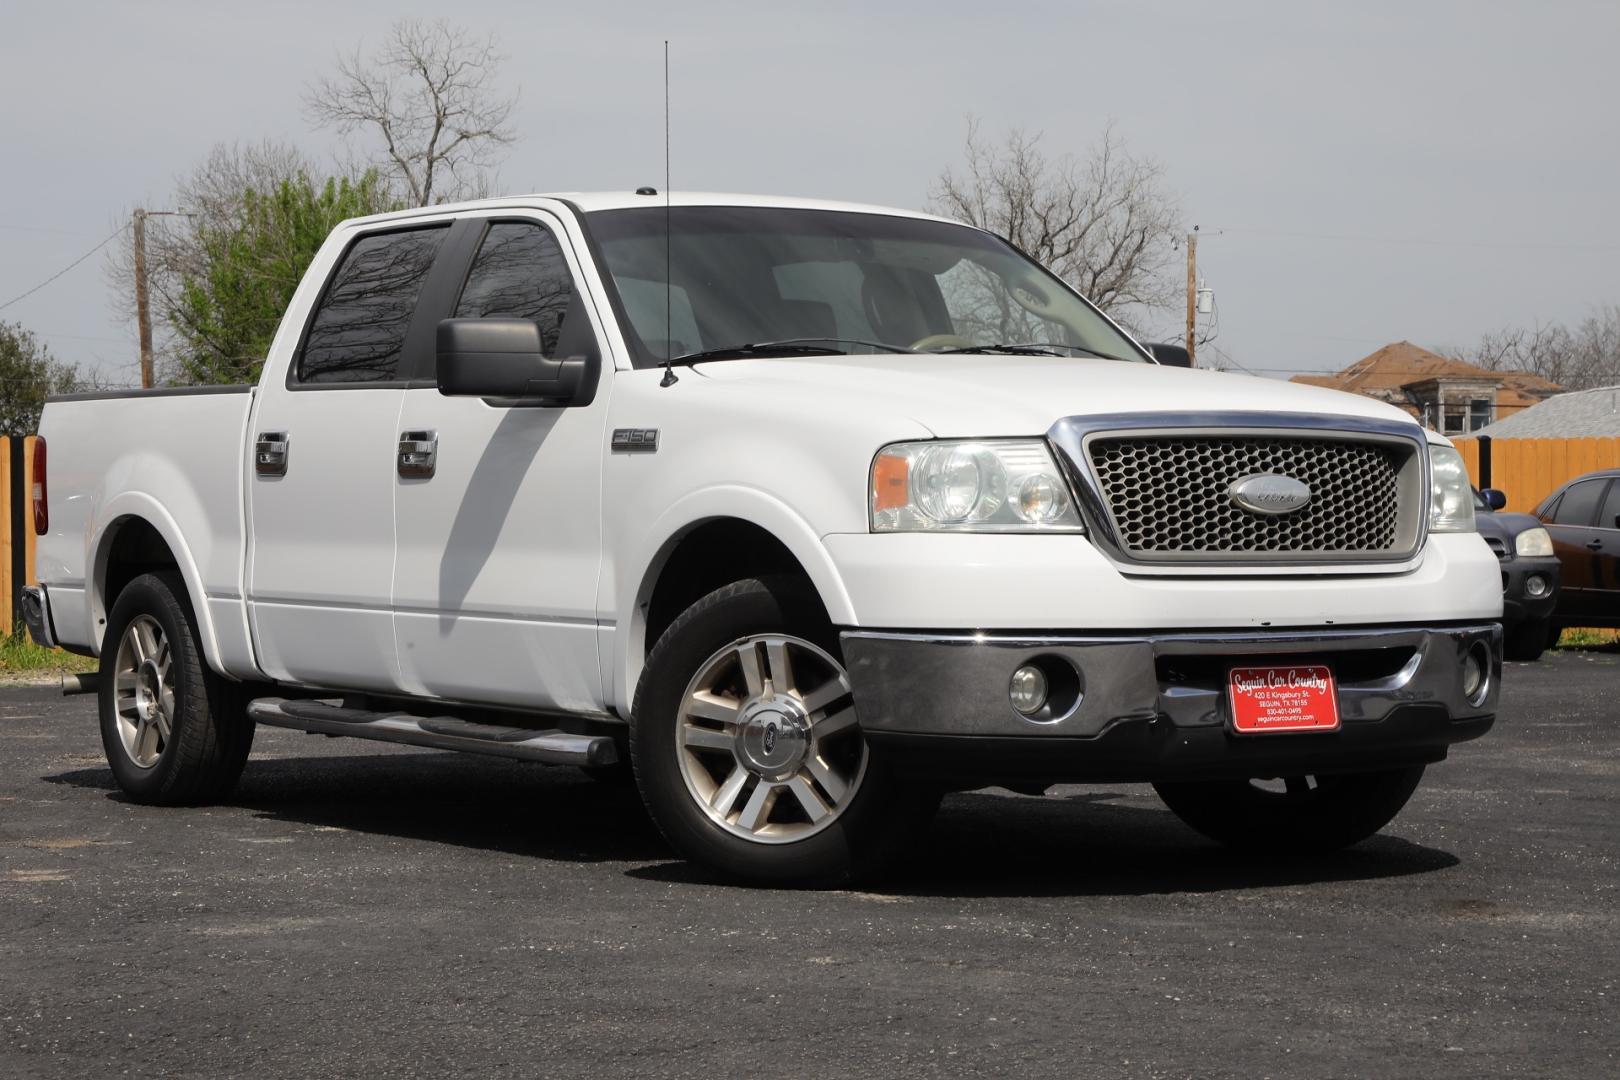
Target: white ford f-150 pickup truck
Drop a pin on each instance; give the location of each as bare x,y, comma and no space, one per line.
801,512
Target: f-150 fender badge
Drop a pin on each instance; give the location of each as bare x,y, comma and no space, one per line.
635,440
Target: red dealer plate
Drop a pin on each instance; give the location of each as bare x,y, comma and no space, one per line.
1288,697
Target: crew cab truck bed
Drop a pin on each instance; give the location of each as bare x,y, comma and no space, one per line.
851,507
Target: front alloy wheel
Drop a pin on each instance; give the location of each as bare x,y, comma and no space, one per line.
748,751
769,745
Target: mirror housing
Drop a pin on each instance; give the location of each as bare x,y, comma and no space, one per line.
1169,355
1493,498
503,362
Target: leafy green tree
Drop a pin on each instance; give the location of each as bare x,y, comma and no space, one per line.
230,300
28,374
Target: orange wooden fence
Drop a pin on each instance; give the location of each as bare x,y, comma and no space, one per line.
1528,470
16,526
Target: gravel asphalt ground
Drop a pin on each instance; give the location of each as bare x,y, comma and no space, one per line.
363,910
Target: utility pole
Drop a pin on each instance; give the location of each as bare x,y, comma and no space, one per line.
1192,296
143,314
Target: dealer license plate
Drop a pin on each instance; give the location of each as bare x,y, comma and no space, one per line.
1288,697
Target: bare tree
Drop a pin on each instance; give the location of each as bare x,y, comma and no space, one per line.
1576,357
1106,224
429,94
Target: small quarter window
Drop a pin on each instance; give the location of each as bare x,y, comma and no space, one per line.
358,332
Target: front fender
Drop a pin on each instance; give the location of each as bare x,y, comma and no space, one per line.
638,569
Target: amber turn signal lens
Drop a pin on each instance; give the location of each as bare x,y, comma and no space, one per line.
891,482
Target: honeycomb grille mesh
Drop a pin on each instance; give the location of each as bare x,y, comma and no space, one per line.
1169,494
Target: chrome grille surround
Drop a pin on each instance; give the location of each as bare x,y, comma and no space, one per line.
1154,487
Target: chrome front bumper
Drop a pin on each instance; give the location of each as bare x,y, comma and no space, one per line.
1155,706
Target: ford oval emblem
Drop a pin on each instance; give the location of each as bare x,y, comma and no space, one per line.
1269,493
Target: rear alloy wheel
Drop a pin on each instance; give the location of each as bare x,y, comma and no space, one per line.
748,751
173,730
1295,814
143,689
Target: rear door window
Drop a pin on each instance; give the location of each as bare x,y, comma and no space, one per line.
358,332
1579,504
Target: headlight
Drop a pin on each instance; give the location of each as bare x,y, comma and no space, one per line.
1003,486
1533,542
1451,502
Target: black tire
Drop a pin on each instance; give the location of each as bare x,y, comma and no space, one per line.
872,832
1528,640
210,732
1317,814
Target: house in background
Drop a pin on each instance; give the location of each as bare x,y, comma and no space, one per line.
1578,414
1451,396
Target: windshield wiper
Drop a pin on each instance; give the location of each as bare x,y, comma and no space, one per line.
804,346
1029,348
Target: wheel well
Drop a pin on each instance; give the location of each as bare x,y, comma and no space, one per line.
135,548
713,554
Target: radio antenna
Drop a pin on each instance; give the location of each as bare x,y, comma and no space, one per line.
669,378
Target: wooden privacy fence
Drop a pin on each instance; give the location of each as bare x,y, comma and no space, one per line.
16,526
1528,470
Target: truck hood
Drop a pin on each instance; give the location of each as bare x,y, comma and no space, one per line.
975,396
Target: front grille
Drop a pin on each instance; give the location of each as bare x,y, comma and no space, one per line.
1168,495
1498,548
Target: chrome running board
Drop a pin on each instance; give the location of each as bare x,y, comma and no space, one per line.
439,732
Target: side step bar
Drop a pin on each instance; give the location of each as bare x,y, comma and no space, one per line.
439,732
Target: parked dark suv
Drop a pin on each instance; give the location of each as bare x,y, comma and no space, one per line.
1530,573
1583,517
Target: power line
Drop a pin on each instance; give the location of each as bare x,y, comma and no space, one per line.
1423,241
110,238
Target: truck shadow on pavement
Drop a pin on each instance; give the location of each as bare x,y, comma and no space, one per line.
1090,843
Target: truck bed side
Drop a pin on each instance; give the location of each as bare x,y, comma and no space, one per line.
125,466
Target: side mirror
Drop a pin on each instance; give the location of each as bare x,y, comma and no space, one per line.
1170,355
501,360
1493,498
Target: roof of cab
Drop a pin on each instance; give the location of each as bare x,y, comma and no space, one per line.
591,201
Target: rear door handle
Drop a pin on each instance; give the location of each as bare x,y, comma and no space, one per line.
418,454
270,453
1594,545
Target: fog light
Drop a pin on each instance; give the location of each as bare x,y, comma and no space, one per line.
1535,585
1028,690
1476,673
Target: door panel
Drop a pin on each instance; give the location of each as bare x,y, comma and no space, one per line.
1605,600
1578,545
321,555
498,553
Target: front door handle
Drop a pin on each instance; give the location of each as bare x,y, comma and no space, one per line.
270,453
418,454
1594,545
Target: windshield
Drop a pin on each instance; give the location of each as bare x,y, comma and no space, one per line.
749,276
